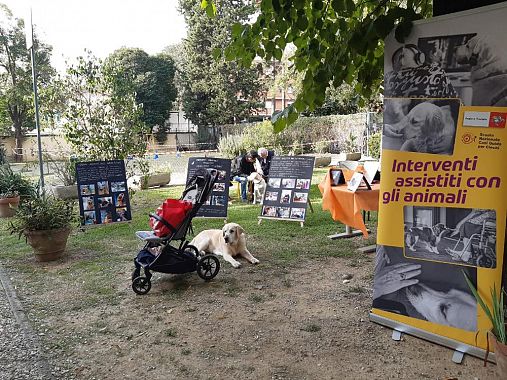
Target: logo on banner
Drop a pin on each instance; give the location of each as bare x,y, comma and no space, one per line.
497,120
468,138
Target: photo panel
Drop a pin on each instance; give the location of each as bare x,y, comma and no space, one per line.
105,202
300,197
103,188
218,200
221,175
285,196
283,212
420,125
122,214
297,213
435,292
288,183
88,203
106,216
269,211
89,218
87,189
274,182
118,186
303,184
219,187
463,236
271,196
120,200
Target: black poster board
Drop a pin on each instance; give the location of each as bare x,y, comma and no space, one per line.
288,187
216,205
103,193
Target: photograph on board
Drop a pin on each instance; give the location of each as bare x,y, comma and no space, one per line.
269,211
118,186
297,213
122,214
288,183
285,196
452,235
274,182
89,217
87,189
435,292
300,197
271,196
120,200
303,184
283,212
106,216
103,187
88,203
420,125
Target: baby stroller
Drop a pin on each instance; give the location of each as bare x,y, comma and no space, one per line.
184,257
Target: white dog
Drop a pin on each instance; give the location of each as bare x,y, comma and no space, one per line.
453,308
259,187
228,242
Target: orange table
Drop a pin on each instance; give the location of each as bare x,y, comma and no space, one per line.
346,206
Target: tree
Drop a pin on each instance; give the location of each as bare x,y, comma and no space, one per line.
16,90
337,41
102,119
216,91
153,81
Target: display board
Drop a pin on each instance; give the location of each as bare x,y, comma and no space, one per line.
103,193
443,196
218,201
287,189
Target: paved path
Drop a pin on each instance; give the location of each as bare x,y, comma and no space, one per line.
20,352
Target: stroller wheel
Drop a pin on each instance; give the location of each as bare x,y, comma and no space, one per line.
208,267
484,261
141,285
191,249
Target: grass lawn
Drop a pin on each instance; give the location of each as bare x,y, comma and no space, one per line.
97,255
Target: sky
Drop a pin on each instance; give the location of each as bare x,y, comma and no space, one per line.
70,26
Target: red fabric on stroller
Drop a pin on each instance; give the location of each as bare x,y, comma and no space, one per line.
173,212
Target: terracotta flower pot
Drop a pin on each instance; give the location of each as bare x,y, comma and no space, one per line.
8,206
500,357
49,244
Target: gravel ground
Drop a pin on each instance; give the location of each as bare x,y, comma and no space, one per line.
20,353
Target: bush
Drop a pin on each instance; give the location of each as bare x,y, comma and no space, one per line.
374,147
42,212
231,146
14,184
3,155
65,171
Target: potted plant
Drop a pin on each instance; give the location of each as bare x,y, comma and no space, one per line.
497,334
45,221
13,187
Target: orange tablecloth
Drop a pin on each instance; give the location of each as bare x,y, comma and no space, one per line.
345,205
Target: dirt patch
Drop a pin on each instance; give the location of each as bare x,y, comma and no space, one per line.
258,322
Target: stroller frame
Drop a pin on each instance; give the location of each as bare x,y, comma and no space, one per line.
183,258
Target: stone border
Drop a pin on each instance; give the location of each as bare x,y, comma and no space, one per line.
24,325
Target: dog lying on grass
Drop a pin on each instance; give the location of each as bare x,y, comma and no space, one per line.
229,242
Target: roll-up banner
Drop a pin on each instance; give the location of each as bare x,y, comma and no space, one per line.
443,201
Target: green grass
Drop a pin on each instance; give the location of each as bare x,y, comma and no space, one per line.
99,257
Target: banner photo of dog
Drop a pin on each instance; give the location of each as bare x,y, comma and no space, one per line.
443,199
103,192
217,203
286,192
425,291
420,125
451,235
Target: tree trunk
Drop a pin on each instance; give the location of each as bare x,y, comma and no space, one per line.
18,135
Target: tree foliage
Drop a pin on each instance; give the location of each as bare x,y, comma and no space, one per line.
337,41
16,90
102,119
153,83
216,91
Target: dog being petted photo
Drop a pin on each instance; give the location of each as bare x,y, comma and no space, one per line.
424,290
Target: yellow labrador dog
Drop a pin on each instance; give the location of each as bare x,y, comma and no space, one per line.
229,242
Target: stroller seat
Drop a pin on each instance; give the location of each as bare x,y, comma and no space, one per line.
150,237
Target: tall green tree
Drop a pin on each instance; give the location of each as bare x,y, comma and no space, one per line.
153,81
216,91
16,90
337,41
102,119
